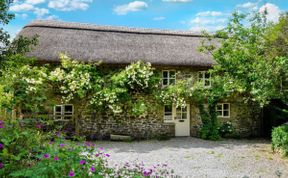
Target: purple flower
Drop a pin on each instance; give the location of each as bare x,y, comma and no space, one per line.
1,122
1,126
56,158
107,155
92,169
62,145
1,146
71,174
97,155
46,156
101,148
1,165
82,162
147,173
88,144
38,126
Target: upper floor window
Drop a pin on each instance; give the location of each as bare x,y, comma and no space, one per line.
204,77
168,77
63,112
223,109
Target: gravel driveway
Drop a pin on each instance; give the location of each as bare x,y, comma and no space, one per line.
191,157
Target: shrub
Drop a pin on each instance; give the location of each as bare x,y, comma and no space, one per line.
18,146
280,139
226,129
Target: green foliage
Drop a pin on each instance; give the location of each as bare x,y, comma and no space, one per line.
226,129
280,139
19,146
242,66
23,84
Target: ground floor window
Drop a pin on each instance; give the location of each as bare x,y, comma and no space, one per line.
63,112
223,109
168,113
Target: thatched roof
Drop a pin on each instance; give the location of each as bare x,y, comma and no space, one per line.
115,45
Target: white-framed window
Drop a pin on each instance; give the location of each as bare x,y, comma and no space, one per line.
63,112
168,77
168,109
223,109
204,77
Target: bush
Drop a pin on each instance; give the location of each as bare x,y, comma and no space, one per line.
18,146
226,130
280,139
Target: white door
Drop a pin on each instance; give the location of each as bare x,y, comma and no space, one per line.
182,121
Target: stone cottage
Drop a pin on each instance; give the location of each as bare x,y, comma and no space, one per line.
174,53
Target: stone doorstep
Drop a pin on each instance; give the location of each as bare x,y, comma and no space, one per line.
120,137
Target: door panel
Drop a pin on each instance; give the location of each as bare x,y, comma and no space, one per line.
182,121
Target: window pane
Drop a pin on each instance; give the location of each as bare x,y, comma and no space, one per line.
219,113
168,108
165,81
200,76
207,83
184,115
172,74
184,109
226,106
178,116
172,81
67,118
58,109
226,113
207,75
219,107
165,74
68,108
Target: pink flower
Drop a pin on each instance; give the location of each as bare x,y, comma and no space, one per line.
38,126
97,155
1,165
82,162
107,155
46,156
92,169
101,148
71,174
1,126
62,145
147,173
56,158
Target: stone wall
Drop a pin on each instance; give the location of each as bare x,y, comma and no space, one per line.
101,125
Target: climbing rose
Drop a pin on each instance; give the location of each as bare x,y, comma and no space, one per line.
71,174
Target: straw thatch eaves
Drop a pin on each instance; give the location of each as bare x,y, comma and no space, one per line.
115,45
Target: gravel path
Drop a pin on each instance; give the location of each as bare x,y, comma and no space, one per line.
191,157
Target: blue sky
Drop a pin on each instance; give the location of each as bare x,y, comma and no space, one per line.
192,15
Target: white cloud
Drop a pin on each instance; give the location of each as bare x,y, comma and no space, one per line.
23,16
248,5
52,17
69,5
21,7
159,18
207,21
209,13
35,1
183,1
273,12
131,7
40,12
